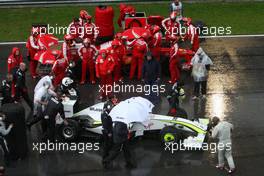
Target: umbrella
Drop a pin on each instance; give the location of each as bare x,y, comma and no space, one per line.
134,32
45,57
47,41
136,109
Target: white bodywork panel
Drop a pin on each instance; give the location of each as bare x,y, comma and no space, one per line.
157,122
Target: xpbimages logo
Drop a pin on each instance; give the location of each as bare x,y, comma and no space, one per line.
201,31
130,88
61,30
80,147
212,147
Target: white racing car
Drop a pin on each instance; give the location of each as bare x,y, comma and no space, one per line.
171,129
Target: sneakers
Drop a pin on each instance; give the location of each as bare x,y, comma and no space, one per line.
219,167
93,82
194,98
230,171
82,82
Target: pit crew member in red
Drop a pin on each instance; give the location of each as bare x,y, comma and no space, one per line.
88,53
104,68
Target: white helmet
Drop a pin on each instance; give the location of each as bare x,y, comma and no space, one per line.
67,81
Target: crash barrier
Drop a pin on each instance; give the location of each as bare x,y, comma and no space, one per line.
16,139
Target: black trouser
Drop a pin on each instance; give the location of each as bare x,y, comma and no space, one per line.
51,129
7,100
5,149
200,86
107,144
116,149
24,94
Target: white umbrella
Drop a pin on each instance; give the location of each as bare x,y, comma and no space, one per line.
136,109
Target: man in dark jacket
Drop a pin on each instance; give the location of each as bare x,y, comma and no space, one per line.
107,125
120,139
6,89
20,85
53,108
151,75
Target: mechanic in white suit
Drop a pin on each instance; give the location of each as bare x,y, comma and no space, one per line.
46,79
222,131
200,66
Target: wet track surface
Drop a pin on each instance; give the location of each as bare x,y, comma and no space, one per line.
235,93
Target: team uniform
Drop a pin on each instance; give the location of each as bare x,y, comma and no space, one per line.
33,48
155,42
90,31
59,68
175,54
104,71
139,49
88,54
13,61
193,37
171,26
117,51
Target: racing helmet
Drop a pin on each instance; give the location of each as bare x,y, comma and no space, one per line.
187,20
173,15
145,36
56,53
103,51
68,37
156,29
87,41
83,14
118,35
67,82
115,43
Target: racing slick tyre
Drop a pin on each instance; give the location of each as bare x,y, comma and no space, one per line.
70,132
169,134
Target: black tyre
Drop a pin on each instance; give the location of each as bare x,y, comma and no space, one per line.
70,132
169,134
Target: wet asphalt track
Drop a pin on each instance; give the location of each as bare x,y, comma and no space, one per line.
235,93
